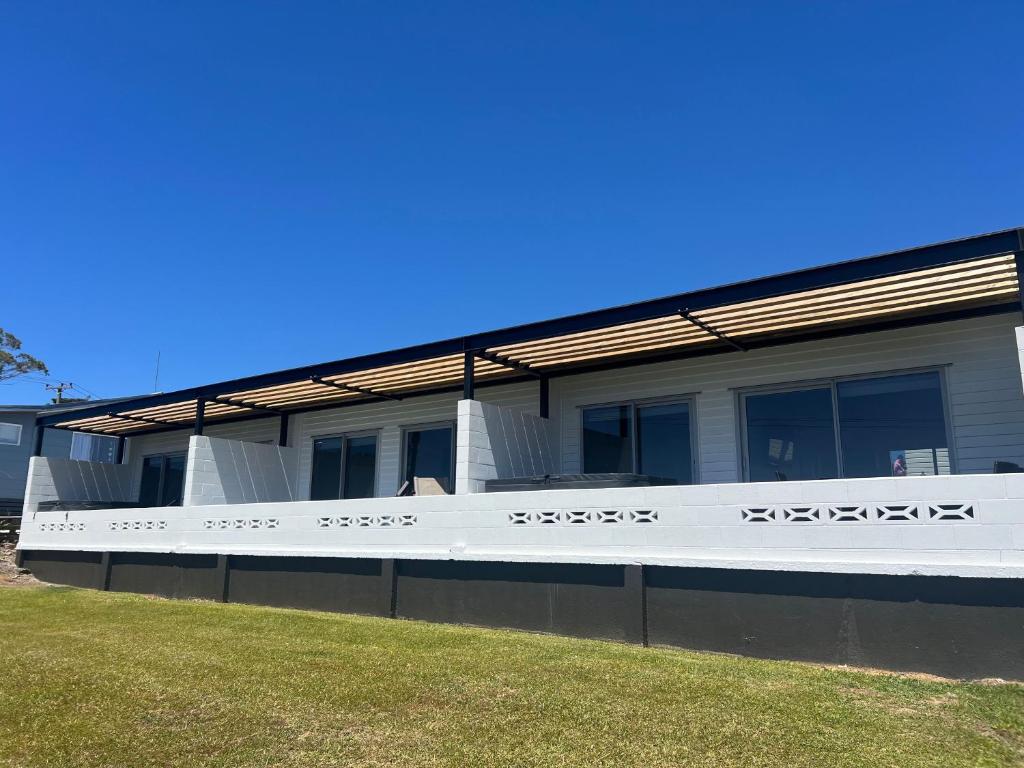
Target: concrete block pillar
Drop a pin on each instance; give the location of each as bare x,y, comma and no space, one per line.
220,471
494,441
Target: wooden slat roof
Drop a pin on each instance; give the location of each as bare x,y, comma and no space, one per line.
969,276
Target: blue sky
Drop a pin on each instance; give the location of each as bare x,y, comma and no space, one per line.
251,186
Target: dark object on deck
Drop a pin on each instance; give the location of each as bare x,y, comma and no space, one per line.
1006,467
553,482
84,506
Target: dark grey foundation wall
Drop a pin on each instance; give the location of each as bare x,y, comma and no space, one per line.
955,627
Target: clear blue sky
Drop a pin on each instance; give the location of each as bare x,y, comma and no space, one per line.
251,186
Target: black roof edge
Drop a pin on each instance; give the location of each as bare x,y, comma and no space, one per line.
838,273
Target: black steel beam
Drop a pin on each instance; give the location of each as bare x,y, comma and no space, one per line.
1005,242
282,431
545,396
119,456
685,314
468,358
1018,259
354,388
200,416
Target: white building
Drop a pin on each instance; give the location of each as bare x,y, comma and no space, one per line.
807,458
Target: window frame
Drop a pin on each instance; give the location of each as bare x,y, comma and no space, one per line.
163,474
345,437
832,384
407,428
690,399
82,435
21,432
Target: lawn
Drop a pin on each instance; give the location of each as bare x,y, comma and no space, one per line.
102,679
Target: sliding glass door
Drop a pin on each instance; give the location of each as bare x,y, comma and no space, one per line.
163,480
429,451
647,438
344,467
875,426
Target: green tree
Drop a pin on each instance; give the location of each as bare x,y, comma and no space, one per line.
14,362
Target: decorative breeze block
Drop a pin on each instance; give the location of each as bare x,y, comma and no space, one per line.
758,515
950,512
912,512
367,521
137,525
62,527
897,512
800,514
221,524
582,516
643,515
848,514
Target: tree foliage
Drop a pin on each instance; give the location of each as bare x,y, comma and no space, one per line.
14,362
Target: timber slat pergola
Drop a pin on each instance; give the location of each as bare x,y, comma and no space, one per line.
972,277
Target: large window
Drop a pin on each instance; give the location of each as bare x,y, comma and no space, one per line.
163,480
344,467
858,427
429,452
648,438
10,434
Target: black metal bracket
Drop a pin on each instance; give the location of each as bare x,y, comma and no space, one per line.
508,362
685,314
353,388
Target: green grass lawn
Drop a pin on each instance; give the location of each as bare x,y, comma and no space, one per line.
100,679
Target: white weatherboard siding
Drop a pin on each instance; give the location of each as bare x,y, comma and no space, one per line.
255,431
978,356
390,418
983,379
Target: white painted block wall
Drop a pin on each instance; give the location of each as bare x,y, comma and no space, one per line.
51,479
966,525
494,441
221,471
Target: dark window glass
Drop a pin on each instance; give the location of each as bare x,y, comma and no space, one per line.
791,436
326,480
163,481
608,439
663,441
428,453
174,481
360,467
152,469
893,425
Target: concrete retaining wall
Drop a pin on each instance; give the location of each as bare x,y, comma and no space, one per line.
943,625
